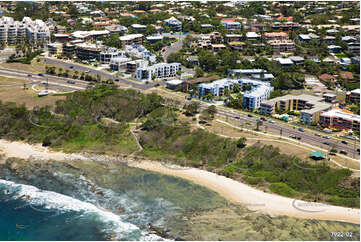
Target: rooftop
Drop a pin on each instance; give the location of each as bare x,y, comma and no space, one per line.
341,113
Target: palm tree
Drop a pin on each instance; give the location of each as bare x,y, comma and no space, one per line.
210,96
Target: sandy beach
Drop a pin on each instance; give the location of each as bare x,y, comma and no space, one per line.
233,190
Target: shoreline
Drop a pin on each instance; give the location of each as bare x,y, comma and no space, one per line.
237,192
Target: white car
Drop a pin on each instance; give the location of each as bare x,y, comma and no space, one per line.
271,121
43,93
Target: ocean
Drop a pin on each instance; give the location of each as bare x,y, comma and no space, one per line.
86,200
64,202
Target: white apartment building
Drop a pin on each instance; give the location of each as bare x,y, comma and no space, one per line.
251,99
109,53
158,71
34,31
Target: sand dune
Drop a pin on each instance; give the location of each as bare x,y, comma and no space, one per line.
233,190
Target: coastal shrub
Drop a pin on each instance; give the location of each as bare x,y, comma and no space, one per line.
341,201
253,180
282,189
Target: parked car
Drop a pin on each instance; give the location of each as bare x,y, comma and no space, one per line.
71,67
326,137
343,152
293,136
29,75
263,119
157,85
301,130
271,121
317,134
250,115
116,80
344,142
44,83
299,138
70,82
40,74
358,150
86,71
326,143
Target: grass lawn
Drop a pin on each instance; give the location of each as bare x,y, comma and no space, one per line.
28,97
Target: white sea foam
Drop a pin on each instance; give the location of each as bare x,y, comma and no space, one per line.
53,200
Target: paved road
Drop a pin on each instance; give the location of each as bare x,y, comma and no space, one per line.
173,48
275,128
104,75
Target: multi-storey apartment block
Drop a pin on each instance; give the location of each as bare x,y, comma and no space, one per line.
158,71
12,31
340,119
309,106
131,39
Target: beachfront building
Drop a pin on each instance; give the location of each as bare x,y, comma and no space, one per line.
87,51
118,63
259,90
216,88
340,119
158,71
34,31
55,48
109,53
310,107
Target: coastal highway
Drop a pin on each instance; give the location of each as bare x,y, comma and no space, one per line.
104,75
287,130
275,128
